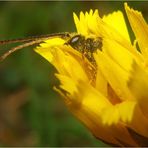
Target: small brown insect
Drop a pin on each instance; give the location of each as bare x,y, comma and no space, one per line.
86,46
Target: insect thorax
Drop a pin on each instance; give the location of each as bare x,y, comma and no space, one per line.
87,46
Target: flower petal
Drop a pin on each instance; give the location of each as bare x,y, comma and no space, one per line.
46,49
101,83
114,74
105,30
140,28
139,117
119,112
118,54
138,85
87,24
117,21
91,110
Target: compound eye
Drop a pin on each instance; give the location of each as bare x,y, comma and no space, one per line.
74,39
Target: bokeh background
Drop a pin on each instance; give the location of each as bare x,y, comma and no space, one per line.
31,113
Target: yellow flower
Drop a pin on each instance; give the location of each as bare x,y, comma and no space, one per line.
110,95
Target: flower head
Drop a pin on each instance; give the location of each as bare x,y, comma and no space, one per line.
109,95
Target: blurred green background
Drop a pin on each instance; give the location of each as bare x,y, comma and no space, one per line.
31,113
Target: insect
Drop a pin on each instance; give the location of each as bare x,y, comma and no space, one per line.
87,46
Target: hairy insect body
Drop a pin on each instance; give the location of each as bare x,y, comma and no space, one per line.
86,46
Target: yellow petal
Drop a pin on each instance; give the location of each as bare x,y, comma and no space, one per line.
77,23
105,30
115,75
52,42
120,112
118,53
139,117
67,84
62,58
91,110
87,24
117,21
138,85
101,83
46,49
140,29
80,24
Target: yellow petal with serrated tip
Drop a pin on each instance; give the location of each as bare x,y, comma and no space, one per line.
87,24
140,29
120,112
92,109
67,84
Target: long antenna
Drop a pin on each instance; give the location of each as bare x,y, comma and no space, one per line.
31,41
19,47
31,38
